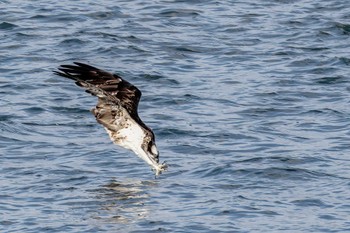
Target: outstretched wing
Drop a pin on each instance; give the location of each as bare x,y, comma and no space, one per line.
108,87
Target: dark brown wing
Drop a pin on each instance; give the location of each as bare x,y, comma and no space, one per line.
103,85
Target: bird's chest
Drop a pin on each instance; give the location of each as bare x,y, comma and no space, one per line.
125,132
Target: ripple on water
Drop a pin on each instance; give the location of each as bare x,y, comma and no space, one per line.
7,26
345,28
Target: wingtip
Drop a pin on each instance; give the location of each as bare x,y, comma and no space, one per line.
84,65
61,72
78,63
56,72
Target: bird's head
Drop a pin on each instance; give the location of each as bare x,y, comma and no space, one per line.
141,140
150,154
149,147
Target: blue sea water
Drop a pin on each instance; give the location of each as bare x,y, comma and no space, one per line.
249,101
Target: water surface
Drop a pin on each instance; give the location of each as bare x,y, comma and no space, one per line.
249,101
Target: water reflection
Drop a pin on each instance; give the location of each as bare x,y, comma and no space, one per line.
123,201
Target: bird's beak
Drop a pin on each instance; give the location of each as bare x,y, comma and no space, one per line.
152,158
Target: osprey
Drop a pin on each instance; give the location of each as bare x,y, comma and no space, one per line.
116,110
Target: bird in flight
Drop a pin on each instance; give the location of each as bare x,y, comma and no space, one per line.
116,110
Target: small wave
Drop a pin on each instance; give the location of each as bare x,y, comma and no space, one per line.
7,26
328,80
72,42
345,28
180,13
